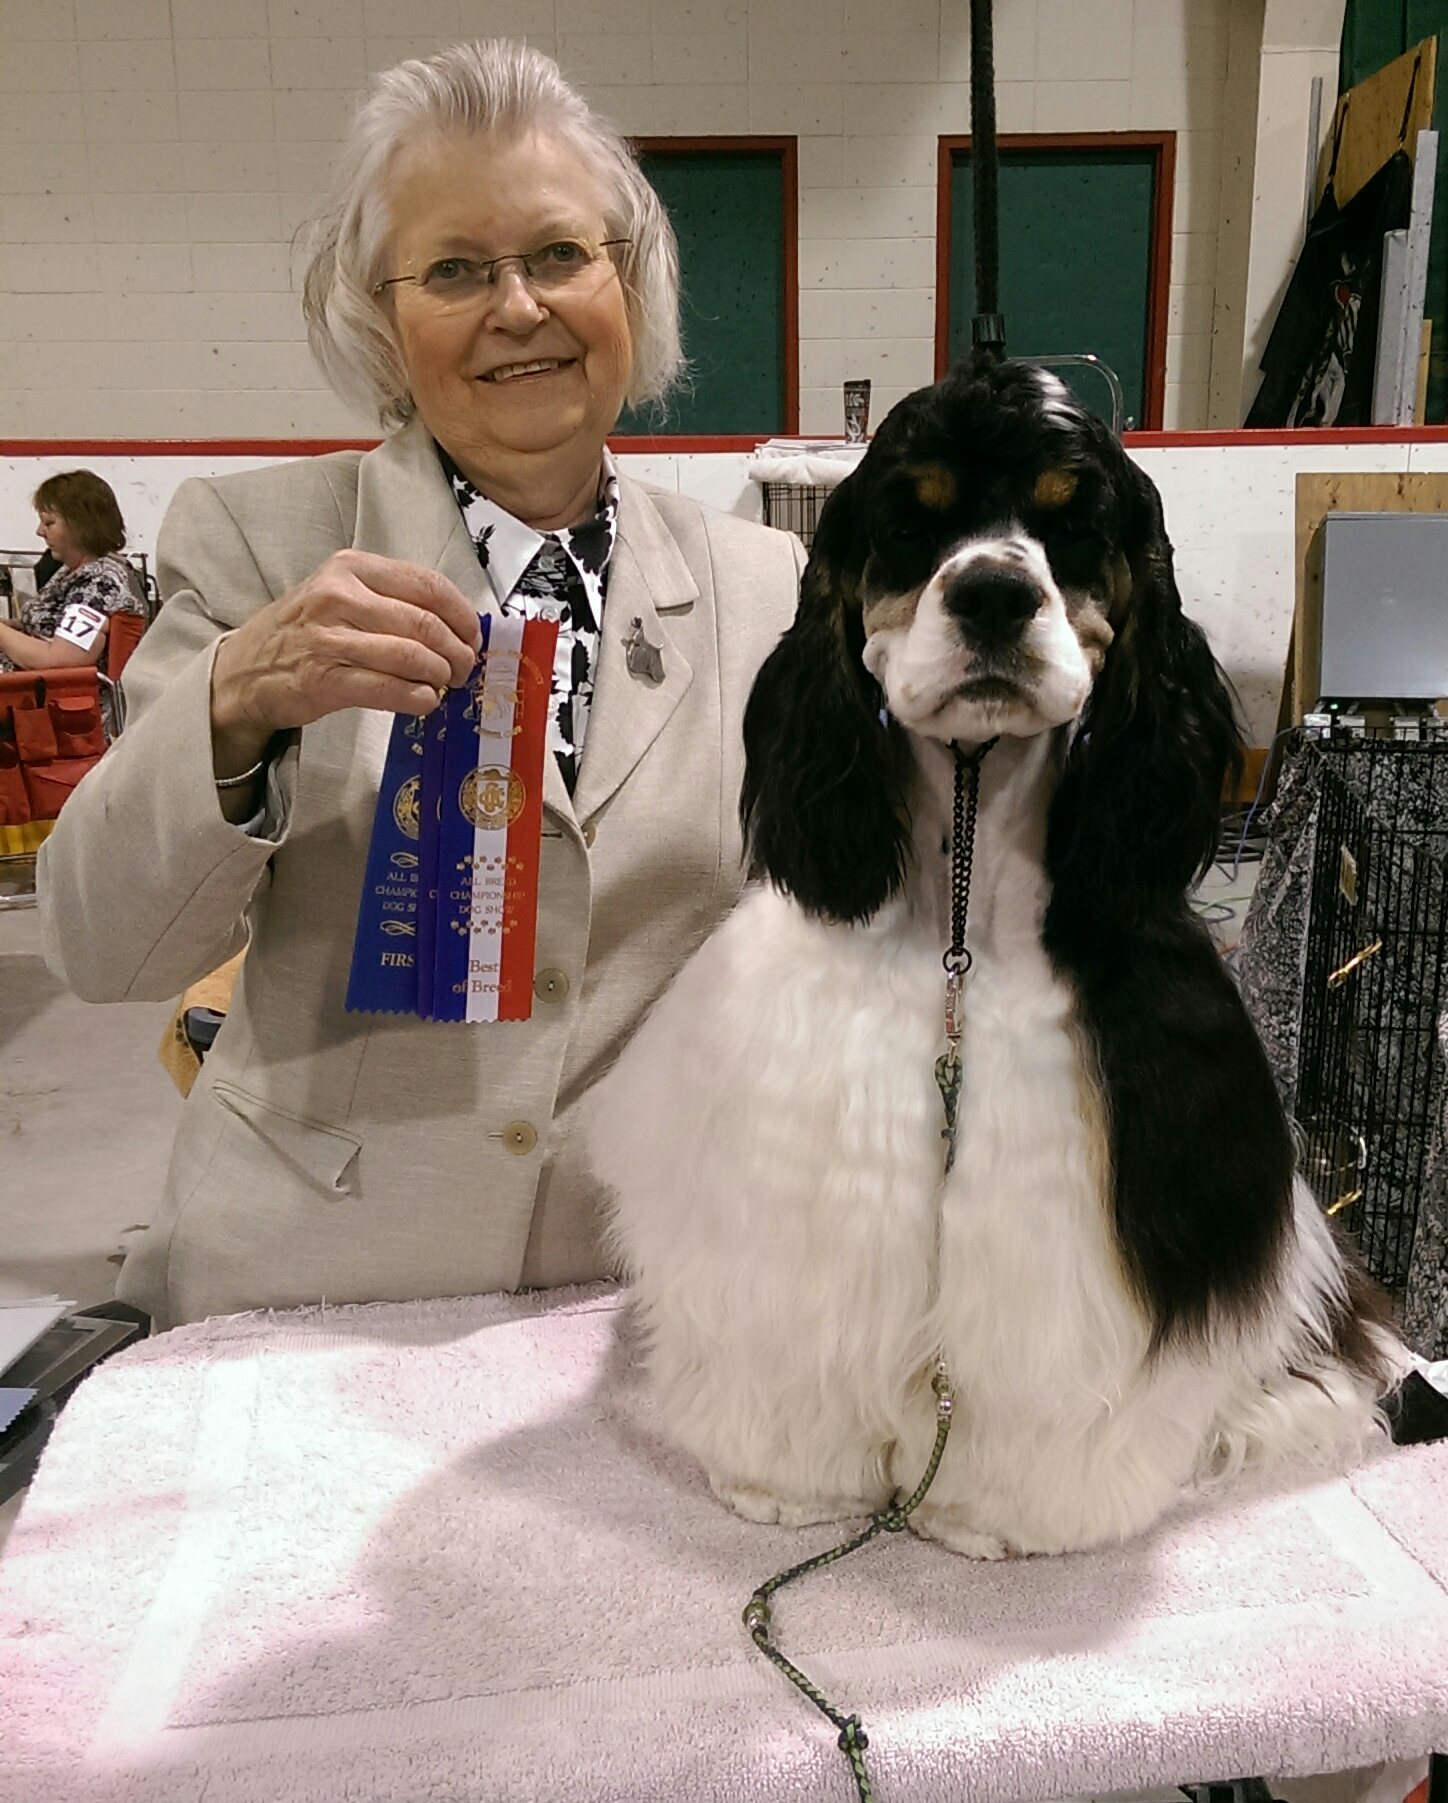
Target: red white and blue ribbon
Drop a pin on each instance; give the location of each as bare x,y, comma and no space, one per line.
454,862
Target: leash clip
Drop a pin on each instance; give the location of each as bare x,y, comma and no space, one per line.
957,968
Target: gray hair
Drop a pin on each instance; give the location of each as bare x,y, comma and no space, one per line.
495,85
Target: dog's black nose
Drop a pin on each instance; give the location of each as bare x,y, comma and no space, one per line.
992,601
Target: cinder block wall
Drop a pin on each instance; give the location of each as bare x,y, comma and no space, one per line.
157,155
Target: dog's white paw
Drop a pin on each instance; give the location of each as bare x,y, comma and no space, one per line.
950,1525
757,1504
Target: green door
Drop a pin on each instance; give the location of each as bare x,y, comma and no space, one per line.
727,209
1075,270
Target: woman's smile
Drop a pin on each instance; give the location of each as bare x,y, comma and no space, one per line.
513,374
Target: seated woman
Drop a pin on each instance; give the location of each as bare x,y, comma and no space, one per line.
494,277
66,621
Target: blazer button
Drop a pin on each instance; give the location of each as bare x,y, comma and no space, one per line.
519,1138
590,832
550,985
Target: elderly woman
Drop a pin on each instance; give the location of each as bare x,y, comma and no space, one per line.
68,621
496,276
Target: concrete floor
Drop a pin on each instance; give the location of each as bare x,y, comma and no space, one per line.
87,1116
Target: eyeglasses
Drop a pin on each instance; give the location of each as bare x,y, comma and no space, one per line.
462,281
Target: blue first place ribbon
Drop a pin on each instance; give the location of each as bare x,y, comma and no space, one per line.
393,951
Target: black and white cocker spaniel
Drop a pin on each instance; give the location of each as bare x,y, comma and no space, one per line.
1129,1286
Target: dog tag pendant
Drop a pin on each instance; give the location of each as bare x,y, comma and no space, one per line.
947,1077
642,658
947,1065
954,986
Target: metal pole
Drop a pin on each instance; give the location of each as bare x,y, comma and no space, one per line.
988,329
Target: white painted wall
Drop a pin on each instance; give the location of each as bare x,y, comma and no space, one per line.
157,155
1230,511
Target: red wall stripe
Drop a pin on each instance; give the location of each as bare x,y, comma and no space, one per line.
311,447
683,446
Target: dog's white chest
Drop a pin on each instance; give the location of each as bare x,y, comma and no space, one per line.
1034,1311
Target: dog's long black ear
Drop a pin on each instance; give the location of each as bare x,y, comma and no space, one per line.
1138,809
1200,1150
823,803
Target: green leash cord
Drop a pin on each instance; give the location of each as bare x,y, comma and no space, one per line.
757,1612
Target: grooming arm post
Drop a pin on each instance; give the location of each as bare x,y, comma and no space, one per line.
988,329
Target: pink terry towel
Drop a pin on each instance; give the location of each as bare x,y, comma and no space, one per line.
442,1553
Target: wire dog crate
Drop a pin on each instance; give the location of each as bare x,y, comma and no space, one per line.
1374,1039
795,507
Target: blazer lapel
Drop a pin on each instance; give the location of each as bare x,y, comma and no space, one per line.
648,579
406,509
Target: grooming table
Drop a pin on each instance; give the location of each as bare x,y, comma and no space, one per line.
444,1552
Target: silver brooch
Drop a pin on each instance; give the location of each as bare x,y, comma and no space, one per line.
642,658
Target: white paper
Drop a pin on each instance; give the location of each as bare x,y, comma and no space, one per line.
81,625
22,1324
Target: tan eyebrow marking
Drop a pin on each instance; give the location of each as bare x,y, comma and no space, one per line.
934,486
1054,488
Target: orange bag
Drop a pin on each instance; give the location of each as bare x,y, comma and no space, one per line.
51,785
34,735
14,797
77,723
50,732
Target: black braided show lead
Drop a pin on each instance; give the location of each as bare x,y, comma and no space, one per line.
757,1612
988,328
966,806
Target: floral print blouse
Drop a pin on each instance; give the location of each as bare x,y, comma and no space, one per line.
104,584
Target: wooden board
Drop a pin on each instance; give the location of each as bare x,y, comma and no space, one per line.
1250,782
1318,495
1373,130
1425,358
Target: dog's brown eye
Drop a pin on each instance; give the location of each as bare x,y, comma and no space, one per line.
1064,528
896,539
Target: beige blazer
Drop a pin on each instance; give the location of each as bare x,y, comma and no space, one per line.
355,1157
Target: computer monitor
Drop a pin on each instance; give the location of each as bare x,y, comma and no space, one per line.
1384,607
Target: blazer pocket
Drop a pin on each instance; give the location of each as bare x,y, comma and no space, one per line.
325,1156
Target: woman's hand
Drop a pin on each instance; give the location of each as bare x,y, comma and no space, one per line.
360,631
